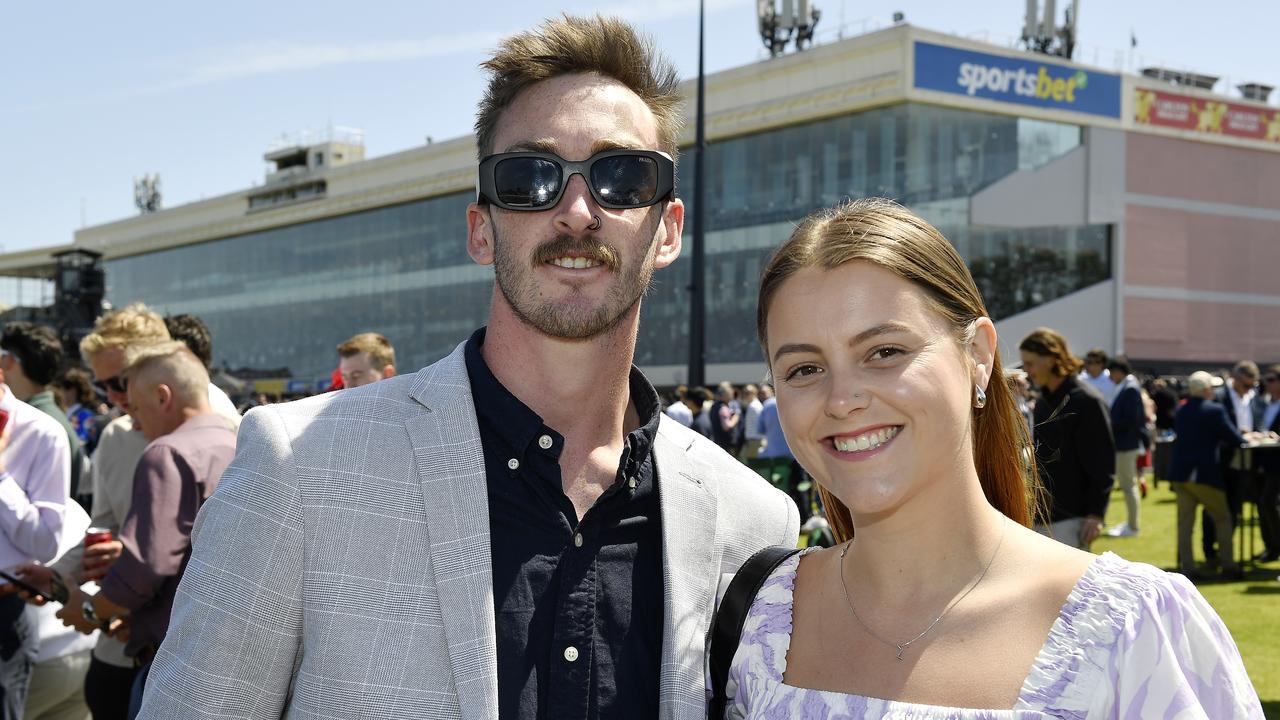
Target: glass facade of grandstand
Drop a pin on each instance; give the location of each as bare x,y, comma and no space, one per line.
403,270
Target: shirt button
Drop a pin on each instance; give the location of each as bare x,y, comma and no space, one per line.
577,539
632,483
514,464
571,653
544,442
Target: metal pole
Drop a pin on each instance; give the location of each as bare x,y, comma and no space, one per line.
697,277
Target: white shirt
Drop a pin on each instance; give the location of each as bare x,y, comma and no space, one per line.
681,413
56,639
1103,384
753,420
223,406
34,495
1243,408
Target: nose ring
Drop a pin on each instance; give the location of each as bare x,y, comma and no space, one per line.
597,224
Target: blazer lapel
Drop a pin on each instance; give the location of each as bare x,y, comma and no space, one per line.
450,461
691,571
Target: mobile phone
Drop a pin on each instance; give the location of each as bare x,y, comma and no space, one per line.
58,588
24,585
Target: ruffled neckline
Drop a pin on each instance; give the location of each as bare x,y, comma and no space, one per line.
1074,653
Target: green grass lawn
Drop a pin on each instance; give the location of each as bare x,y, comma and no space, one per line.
1250,608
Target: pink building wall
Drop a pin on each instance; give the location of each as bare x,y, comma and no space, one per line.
1178,261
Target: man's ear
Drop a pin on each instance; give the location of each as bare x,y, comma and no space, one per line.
982,349
672,230
388,371
480,233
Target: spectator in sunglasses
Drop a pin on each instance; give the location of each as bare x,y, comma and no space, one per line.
515,531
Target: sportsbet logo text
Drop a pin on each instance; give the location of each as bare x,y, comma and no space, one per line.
974,77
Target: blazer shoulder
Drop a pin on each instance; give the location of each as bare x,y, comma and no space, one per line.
750,493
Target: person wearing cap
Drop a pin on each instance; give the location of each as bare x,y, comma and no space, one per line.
1195,472
1128,425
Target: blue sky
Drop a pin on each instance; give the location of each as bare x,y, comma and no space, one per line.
93,94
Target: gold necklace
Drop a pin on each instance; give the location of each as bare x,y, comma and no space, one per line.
901,647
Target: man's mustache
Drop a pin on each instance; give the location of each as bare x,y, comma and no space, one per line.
569,246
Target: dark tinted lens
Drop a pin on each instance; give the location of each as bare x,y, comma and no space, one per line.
625,179
526,182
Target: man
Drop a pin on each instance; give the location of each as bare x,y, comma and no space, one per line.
726,414
1096,375
106,349
1075,450
697,400
777,463
678,410
30,356
1238,398
35,485
1266,479
513,531
189,447
1128,427
366,358
192,332
751,435
1196,472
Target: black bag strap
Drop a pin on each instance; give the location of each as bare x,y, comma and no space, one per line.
726,628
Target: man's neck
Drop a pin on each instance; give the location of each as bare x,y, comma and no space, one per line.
579,387
24,390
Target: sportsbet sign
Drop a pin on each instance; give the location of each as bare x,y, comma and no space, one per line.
1016,80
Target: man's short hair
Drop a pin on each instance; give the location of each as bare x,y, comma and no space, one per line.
1199,382
699,395
134,324
1246,368
1121,363
571,45
192,332
1096,355
35,346
378,347
173,364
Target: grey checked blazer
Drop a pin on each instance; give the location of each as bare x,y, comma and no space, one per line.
342,568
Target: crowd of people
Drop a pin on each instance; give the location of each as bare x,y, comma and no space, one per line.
522,530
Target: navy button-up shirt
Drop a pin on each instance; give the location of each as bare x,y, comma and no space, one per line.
579,601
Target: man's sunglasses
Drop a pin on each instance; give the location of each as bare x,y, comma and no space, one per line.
618,179
1270,379
115,383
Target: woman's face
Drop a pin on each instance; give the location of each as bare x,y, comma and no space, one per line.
874,392
1039,368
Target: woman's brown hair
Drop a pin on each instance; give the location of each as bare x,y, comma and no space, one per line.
1050,343
884,233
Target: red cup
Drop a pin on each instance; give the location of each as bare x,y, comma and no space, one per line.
95,535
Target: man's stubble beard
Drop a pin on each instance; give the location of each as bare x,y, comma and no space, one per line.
560,319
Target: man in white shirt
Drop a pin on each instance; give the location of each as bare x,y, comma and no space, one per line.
35,487
1095,373
678,410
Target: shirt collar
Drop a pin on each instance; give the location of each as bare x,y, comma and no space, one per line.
504,414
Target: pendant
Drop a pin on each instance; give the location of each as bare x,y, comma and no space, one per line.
900,649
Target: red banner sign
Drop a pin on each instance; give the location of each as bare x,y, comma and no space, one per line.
1214,117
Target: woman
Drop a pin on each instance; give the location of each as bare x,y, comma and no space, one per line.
1075,449
945,604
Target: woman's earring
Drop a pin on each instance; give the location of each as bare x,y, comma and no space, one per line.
980,400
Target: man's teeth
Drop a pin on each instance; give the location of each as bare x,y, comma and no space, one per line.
866,441
577,263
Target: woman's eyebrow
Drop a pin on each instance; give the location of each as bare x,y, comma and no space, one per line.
884,328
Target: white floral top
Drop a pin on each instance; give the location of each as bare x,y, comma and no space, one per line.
1131,641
